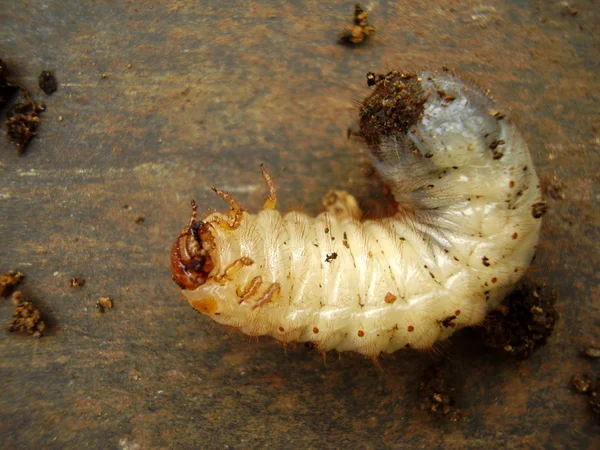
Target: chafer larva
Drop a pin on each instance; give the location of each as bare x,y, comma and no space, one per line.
466,228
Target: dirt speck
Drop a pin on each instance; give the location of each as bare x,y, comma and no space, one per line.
359,30
47,82
8,281
26,317
589,385
104,304
140,220
77,281
437,396
23,121
331,256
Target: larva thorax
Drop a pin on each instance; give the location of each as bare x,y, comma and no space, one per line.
465,231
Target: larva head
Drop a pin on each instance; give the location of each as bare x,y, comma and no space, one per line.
190,258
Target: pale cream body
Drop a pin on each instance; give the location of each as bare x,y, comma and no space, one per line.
463,236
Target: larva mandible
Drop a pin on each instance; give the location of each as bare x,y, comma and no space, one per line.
468,221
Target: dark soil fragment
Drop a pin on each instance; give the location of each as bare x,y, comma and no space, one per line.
7,89
437,396
77,281
23,121
104,304
26,317
8,281
47,82
359,30
589,385
523,324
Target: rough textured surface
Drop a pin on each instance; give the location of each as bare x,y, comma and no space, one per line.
199,96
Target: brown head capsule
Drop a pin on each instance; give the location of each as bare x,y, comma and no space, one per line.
190,259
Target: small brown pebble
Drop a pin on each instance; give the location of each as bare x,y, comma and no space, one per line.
140,220
47,82
104,303
104,76
8,281
26,317
77,281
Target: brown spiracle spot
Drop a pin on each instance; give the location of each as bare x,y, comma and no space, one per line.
395,105
190,256
411,328
389,298
315,330
539,209
361,333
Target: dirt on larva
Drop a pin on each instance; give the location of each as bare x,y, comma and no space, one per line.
522,324
396,104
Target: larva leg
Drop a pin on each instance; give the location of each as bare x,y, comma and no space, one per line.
233,268
271,200
270,294
235,211
250,289
342,206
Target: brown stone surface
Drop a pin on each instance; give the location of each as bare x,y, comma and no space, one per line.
160,100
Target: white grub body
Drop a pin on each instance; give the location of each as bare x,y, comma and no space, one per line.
464,234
